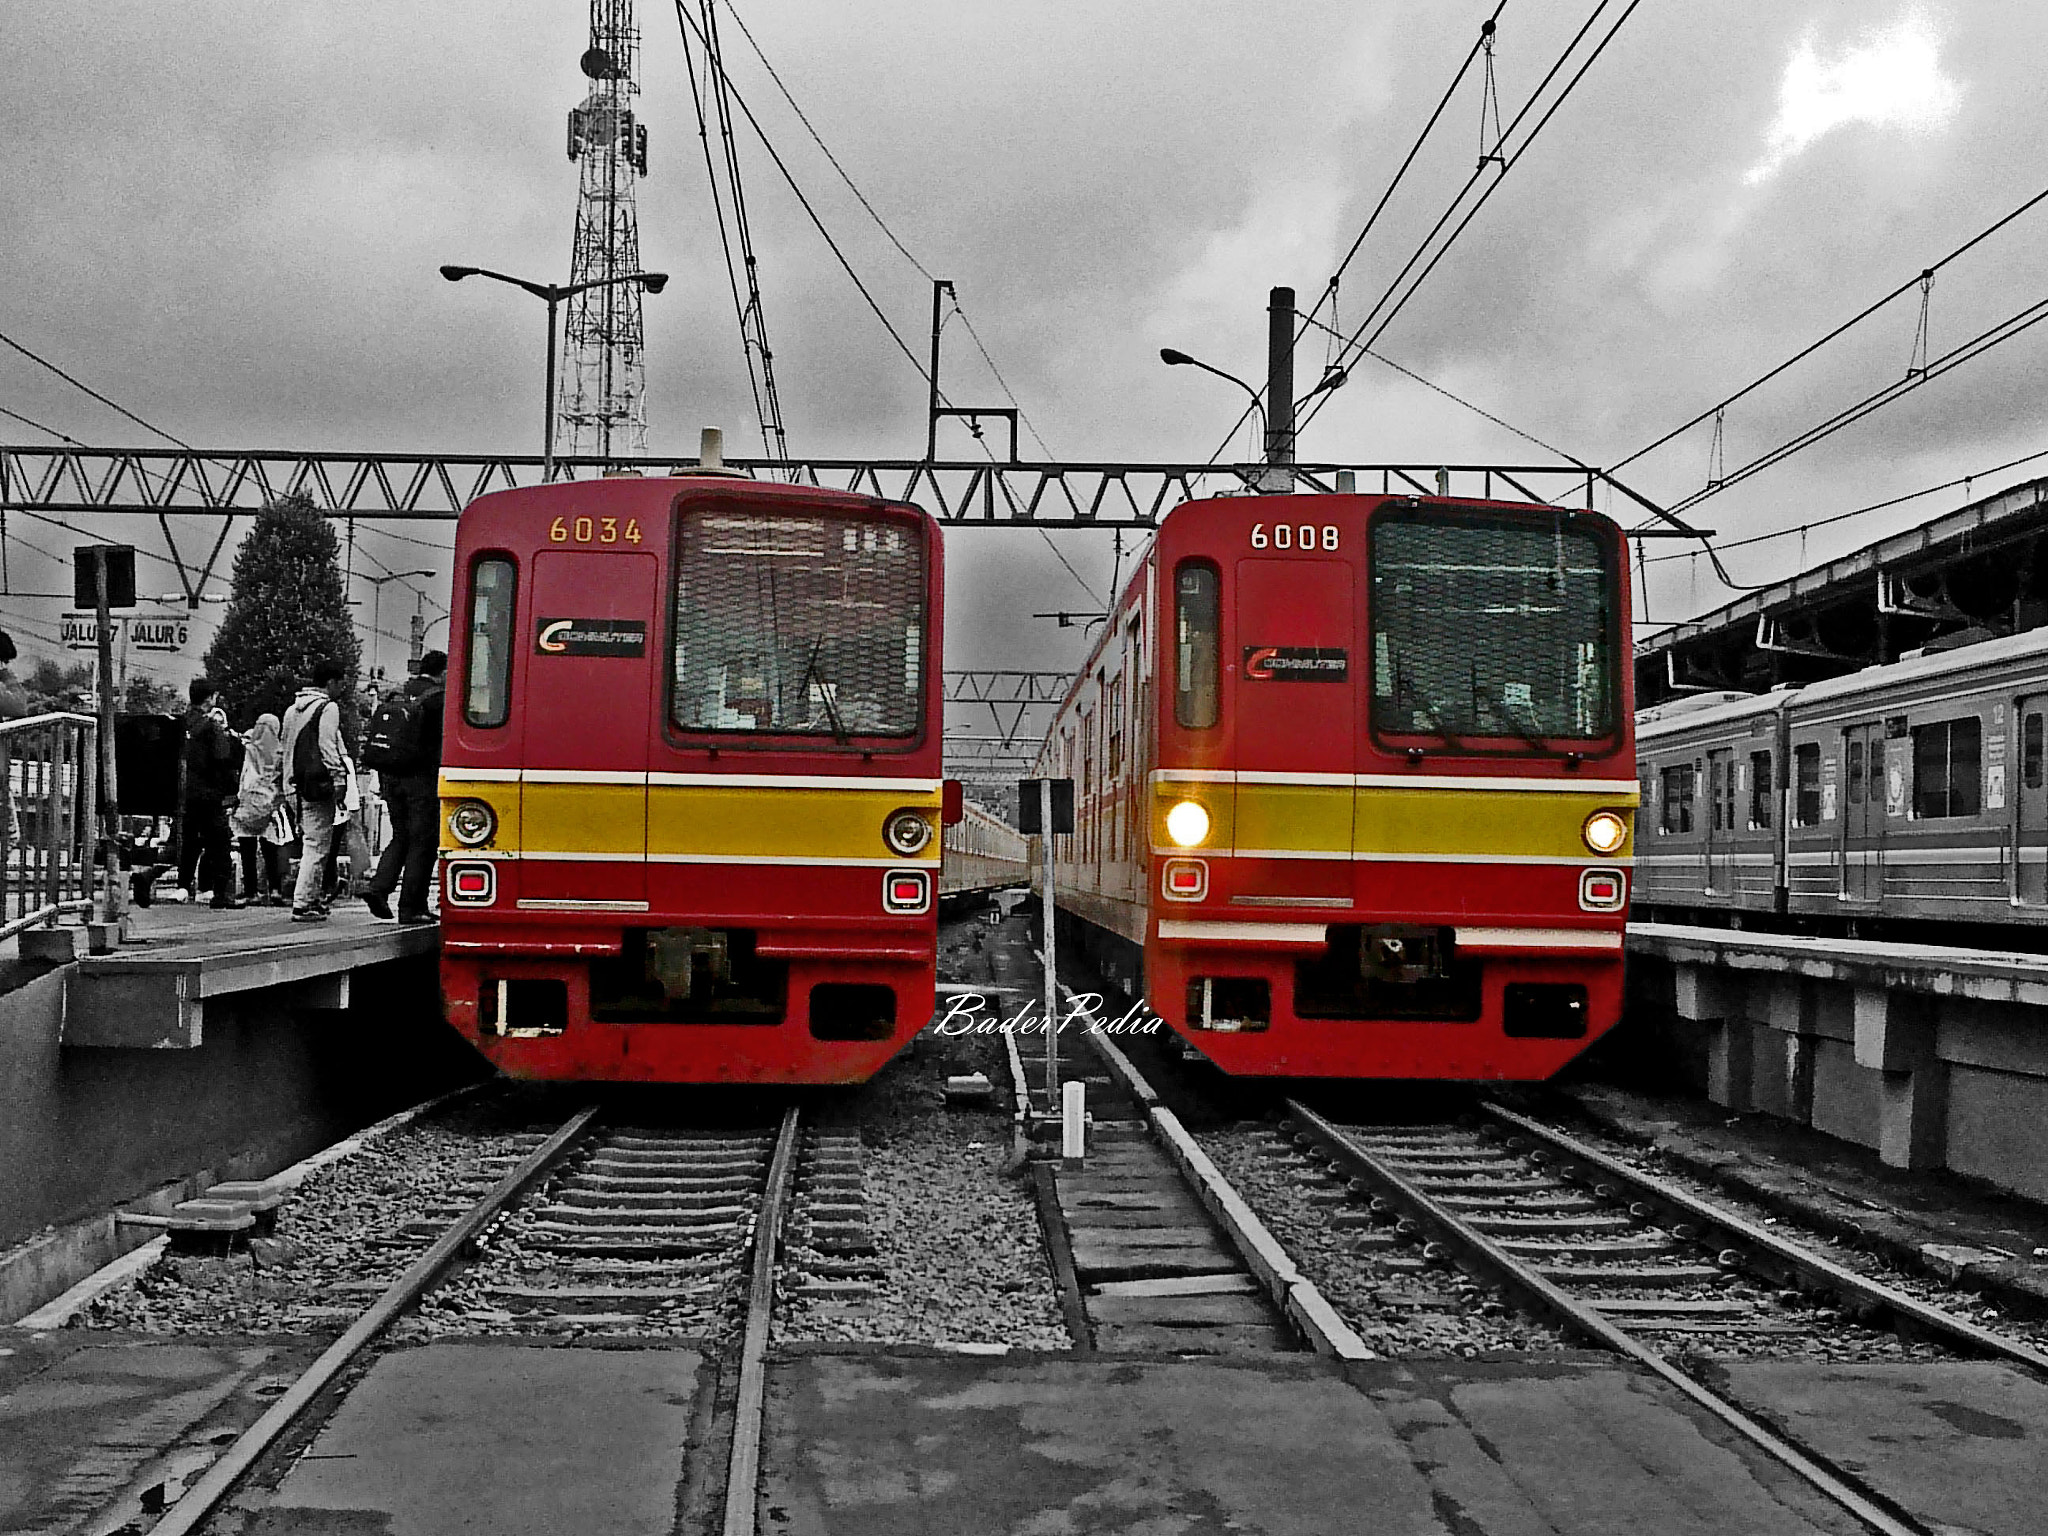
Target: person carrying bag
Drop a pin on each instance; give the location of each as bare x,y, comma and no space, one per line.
315,776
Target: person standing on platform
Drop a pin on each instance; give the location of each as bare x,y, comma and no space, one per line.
256,805
203,860
13,697
314,774
404,745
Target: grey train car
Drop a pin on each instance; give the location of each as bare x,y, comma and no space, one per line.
1912,793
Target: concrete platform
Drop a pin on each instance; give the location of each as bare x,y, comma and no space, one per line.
1961,1445
88,1422
502,1439
883,1444
152,992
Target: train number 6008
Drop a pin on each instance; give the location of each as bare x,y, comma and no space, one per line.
1293,536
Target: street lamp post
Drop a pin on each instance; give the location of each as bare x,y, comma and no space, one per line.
1279,444
552,295
377,610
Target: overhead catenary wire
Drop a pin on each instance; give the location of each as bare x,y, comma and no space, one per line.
1388,308
1725,545
1847,325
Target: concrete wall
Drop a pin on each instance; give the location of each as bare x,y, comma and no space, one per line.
1930,1063
84,1130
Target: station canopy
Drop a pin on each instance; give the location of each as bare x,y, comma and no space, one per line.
1968,575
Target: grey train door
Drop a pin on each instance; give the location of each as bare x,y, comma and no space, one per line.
1863,812
2030,824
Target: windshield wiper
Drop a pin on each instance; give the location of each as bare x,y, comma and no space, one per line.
825,691
1528,732
1402,685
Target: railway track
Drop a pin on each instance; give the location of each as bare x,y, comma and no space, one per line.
637,1233
1615,1257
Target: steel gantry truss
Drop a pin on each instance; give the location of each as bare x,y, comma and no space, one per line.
68,478
1011,698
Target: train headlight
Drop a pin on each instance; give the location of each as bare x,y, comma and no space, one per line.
1187,824
1605,832
906,832
472,822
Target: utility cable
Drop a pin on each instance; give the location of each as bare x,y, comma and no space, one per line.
103,400
1875,506
1381,316
1854,320
812,213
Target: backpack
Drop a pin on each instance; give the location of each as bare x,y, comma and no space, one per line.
392,743
310,775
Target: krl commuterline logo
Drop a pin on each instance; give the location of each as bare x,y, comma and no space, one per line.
592,637
970,1013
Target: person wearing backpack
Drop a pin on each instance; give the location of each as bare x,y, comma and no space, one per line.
204,861
403,744
315,771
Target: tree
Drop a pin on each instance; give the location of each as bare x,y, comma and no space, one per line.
144,695
286,612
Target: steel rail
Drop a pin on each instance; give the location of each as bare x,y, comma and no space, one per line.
203,1496
743,1469
1773,1254
1548,1301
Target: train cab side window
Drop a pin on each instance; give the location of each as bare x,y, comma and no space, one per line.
487,680
1761,797
1806,784
1197,634
1677,798
1946,777
2031,752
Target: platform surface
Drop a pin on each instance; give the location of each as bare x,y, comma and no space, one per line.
498,1438
151,992
1991,975
882,1445
90,1420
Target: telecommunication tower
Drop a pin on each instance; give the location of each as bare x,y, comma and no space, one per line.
602,408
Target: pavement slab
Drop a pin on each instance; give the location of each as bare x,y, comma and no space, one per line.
509,1440
89,1420
901,1445
1961,1444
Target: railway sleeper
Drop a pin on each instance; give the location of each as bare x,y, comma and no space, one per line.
1645,1245
641,1218
1648,1277
1586,1221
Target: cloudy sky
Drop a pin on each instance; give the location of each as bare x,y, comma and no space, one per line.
227,216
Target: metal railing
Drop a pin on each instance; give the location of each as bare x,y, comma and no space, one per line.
49,791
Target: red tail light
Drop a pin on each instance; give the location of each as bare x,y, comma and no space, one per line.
1184,879
1603,890
907,891
472,885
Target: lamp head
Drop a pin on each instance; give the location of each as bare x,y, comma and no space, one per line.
654,282
1168,356
457,274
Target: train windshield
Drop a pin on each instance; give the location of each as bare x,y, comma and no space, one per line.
1490,630
807,625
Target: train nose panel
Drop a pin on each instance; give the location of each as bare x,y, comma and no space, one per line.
591,673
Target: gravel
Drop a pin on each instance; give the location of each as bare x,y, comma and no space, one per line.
1396,1303
335,1245
958,1258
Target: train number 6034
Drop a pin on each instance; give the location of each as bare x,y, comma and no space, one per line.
593,530
1294,536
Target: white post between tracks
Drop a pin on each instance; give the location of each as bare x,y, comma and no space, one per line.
1052,982
1074,1124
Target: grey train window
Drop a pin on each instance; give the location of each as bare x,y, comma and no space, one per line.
1854,754
1760,790
2030,752
1806,784
1197,623
1946,778
487,690
1678,785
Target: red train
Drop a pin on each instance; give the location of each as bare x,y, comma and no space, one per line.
1355,785
691,788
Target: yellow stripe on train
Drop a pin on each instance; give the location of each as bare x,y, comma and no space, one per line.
704,819
1343,820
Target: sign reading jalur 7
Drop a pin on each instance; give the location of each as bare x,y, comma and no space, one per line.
166,630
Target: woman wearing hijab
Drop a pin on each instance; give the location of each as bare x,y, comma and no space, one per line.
257,802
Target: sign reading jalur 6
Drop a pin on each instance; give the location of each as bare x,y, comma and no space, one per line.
165,630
